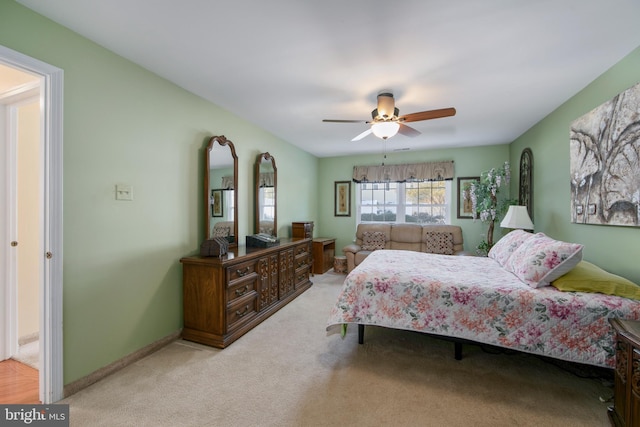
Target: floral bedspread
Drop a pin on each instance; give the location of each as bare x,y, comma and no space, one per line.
474,298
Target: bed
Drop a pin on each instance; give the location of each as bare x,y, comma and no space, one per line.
475,299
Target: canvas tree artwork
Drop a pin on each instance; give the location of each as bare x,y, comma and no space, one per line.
605,162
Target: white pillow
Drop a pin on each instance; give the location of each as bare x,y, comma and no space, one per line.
540,260
504,247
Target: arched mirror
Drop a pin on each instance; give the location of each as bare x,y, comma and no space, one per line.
265,189
220,190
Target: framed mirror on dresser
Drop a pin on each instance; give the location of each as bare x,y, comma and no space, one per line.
221,190
266,185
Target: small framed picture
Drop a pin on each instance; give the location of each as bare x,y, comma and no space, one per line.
342,202
591,209
465,206
216,203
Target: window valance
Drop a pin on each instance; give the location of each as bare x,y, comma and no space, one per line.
266,179
227,183
432,171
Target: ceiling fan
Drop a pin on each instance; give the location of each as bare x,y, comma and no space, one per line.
386,122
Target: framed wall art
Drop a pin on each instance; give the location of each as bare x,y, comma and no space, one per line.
465,207
525,193
342,203
604,154
216,203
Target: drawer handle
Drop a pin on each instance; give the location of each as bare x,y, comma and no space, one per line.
242,313
240,292
243,272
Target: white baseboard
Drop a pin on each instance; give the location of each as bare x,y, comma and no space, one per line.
29,338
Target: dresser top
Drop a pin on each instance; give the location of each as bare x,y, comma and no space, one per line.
628,328
243,252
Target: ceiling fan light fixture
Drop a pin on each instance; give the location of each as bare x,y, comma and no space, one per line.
386,120
386,105
385,130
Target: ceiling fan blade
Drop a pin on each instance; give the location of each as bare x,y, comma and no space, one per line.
408,130
344,121
428,115
362,135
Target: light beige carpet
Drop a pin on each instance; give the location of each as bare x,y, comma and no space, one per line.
288,372
29,354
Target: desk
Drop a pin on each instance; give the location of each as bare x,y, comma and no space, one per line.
323,251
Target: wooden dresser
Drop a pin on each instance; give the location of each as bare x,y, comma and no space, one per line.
626,400
224,298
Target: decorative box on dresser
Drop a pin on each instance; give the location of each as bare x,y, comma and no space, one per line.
302,229
225,297
626,400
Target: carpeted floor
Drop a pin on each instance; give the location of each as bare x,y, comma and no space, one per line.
28,354
289,372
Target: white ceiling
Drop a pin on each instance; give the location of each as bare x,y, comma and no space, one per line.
287,64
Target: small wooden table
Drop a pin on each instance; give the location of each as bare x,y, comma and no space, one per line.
323,251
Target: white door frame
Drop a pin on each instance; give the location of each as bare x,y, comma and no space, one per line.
51,99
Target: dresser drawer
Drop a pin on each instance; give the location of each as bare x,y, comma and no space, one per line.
301,262
240,270
239,288
242,310
301,277
302,250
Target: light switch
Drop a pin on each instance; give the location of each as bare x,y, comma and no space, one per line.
124,192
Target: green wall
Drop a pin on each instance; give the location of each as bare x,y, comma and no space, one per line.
613,248
467,162
123,124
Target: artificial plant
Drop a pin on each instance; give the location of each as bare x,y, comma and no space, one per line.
485,202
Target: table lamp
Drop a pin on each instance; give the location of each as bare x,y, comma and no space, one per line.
517,217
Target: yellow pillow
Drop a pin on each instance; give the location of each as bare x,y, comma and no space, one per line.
587,277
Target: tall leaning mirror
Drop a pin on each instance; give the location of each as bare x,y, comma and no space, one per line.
266,180
220,190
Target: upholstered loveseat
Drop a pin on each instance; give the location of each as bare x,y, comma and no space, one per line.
431,238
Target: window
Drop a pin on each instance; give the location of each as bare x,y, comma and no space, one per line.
426,202
267,208
229,204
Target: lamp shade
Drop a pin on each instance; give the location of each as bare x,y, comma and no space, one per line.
517,217
385,130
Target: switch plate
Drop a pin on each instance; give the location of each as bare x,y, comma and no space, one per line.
124,192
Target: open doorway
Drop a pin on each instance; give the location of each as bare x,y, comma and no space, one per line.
20,130
42,99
